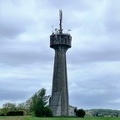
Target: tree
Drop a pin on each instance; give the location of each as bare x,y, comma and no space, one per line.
8,107
21,106
80,113
37,103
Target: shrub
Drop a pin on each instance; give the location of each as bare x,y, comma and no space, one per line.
15,113
48,112
2,114
80,113
43,112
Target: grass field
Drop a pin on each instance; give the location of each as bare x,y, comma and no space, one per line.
35,118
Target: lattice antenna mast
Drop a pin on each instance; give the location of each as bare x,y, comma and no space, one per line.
60,13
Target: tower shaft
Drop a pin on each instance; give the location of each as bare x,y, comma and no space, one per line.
59,97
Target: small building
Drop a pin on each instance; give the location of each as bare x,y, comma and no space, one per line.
72,110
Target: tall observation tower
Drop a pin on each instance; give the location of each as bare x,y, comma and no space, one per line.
59,100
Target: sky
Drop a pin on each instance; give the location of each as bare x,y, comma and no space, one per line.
93,61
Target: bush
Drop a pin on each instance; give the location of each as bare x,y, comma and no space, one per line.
80,113
15,113
2,114
44,112
48,112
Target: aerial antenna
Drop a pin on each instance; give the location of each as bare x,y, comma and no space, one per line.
60,14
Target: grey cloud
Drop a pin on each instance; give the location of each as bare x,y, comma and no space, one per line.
95,86
19,88
94,95
81,5
24,53
112,18
94,56
7,94
92,101
14,19
11,28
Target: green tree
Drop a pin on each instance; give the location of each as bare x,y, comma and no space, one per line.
23,107
37,103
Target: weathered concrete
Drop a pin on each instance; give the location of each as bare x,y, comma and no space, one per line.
59,101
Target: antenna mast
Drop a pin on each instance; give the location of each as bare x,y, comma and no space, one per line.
60,13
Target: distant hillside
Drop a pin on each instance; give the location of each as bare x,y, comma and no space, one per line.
103,113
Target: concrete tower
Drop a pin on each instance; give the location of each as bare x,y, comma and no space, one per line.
59,100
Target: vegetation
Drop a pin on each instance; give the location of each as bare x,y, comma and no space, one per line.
80,113
103,113
36,105
11,107
15,113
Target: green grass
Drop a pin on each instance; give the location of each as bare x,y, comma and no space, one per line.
40,118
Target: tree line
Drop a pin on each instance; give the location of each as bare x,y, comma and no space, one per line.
35,106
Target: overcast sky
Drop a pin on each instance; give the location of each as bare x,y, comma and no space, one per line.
26,60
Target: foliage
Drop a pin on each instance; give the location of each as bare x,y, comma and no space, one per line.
37,104
80,113
8,107
12,107
23,107
48,112
15,113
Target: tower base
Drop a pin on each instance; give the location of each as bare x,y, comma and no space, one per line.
55,104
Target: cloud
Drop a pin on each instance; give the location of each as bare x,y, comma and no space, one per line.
19,83
23,53
92,83
13,20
